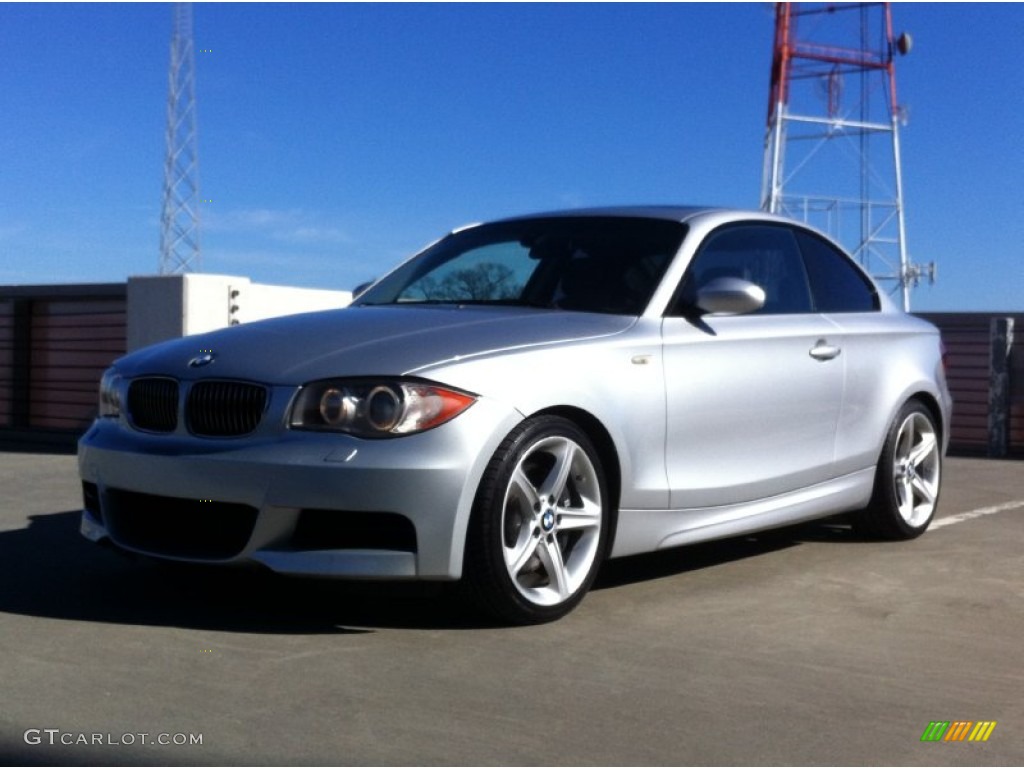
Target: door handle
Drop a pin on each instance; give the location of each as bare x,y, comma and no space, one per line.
824,351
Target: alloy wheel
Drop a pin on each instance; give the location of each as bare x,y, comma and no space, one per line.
551,521
916,467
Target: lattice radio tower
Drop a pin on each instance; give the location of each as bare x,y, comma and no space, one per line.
179,219
832,149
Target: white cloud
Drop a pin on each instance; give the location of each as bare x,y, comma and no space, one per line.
312,234
9,231
294,225
248,219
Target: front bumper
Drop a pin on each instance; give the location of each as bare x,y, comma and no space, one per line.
297,502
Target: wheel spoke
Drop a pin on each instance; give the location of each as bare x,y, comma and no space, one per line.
924,490
905,491
518,556
550,553
907,439
924,450
521,482
554,484
576,518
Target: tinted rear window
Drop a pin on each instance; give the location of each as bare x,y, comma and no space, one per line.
837,284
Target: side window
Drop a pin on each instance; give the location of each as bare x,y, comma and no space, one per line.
765,255
836,284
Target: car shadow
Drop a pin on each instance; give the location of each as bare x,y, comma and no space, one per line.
48,570
694,557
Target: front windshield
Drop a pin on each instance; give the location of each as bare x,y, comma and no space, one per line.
584,263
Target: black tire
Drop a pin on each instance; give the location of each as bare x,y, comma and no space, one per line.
539,528
907,480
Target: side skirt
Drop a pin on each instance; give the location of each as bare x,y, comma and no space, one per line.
647,530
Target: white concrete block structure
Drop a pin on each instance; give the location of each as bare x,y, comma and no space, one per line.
164,307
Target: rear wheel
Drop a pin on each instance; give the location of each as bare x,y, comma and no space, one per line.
907,480
539,524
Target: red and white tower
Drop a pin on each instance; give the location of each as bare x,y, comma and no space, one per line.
832,148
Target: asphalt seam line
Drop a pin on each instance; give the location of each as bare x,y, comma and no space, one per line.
980,512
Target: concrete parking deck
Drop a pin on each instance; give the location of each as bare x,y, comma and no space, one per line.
802,646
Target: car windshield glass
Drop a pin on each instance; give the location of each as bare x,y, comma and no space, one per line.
586,263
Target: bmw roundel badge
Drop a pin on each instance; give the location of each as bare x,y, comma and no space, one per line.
200,360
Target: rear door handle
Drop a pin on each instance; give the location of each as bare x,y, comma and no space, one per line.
824,351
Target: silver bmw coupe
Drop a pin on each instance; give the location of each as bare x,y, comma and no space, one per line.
528,397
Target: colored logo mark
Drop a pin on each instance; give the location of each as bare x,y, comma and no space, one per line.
958,730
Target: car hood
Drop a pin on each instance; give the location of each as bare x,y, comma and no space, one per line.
365,341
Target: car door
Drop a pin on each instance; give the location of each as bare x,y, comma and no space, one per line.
752,400
873,348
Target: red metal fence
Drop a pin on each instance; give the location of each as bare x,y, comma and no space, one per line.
985,369
55,342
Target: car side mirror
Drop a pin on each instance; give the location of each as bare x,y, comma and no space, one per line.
361,288
730,296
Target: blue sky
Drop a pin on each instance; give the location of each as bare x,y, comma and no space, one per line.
337,139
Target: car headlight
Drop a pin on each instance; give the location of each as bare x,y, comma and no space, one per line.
376,408
110,394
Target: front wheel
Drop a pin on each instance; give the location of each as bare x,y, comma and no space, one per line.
907,480
539,524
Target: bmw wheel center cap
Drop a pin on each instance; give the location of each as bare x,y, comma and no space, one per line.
547,520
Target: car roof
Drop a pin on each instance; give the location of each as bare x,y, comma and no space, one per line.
707,214
669,212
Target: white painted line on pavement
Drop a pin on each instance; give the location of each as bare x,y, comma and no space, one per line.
981,512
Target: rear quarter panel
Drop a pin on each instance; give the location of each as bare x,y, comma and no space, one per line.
891,357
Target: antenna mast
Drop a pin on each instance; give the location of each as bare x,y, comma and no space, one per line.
832,150
179,219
